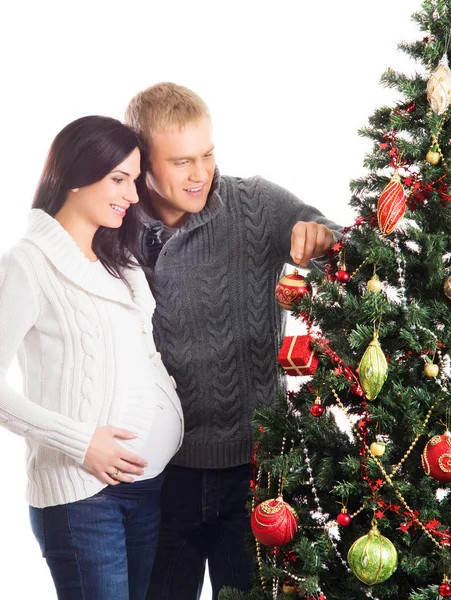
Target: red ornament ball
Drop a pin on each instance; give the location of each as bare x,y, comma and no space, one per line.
343,276
343,519
436,457
274,522
444,590
290,289
317,410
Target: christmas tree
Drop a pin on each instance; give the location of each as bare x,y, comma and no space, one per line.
353,470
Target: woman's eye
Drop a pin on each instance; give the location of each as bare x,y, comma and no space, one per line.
117,179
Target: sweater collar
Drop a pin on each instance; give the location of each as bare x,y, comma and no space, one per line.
59,247
212,207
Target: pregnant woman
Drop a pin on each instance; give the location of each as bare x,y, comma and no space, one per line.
99,412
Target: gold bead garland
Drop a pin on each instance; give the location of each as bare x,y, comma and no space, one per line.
435,137
354,273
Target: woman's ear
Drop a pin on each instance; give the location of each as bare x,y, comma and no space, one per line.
75,190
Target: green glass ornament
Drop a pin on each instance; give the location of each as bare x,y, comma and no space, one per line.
372,557
373,369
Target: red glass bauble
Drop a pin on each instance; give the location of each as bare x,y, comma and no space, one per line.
444,590
436,457
317,410
274,522
343,519
290,289
343,276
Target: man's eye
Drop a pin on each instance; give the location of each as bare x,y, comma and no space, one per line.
180,163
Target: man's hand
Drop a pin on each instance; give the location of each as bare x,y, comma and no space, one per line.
309,240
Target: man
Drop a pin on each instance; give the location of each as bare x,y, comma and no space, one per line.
213,249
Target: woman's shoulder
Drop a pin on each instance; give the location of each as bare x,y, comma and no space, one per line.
19,257
19,279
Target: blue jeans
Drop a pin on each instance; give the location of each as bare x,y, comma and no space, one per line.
101,548
204,517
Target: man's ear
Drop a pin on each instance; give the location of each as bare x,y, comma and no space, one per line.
149,180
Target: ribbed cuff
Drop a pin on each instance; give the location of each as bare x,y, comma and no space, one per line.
71,437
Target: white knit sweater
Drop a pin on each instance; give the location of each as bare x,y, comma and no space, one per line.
86,351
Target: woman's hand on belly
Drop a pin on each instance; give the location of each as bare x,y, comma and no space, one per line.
108,460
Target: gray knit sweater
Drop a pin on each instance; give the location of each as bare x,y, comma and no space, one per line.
217,324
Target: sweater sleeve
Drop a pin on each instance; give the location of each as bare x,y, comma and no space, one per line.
286,210
19,311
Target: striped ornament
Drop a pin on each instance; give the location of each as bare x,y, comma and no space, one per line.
439,87
373,369
391,205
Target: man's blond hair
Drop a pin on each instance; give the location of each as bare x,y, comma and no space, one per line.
162,106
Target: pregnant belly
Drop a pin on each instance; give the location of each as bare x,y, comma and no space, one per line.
163,439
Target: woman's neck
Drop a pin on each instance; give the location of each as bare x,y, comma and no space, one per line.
80,231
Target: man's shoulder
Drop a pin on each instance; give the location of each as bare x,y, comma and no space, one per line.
236,180
230,184
256,186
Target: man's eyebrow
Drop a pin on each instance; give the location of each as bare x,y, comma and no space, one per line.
186,157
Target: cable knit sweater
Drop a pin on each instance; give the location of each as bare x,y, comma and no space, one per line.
217,322
85,347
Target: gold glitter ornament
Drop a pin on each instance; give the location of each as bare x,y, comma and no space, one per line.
431,369
377,448
374,285
373,369
372,557
433,157
439,87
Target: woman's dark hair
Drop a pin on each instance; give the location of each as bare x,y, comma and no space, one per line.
82,153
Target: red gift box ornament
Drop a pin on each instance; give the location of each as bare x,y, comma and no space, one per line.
391,205
290,289
436,457
297,356
274,522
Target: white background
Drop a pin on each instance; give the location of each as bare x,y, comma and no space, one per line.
288,85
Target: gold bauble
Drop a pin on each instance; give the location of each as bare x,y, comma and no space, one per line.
290,590
377,448
433,157
374,285
431,370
